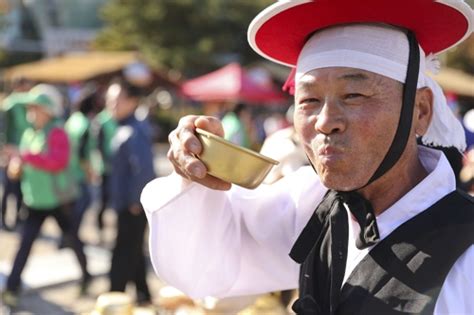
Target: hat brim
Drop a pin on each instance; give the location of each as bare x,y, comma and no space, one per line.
29,99
279,32
13,100
33,100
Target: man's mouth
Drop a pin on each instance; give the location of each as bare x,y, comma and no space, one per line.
326,152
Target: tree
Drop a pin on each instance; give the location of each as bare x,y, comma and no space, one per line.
191,36
462,57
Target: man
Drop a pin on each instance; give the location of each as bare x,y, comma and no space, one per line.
132,168
381,228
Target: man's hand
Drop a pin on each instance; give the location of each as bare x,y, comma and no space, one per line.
184,146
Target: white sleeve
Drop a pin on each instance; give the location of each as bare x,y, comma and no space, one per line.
456,296
213,243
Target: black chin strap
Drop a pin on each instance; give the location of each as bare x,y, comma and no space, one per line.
322,244
402,134
359,206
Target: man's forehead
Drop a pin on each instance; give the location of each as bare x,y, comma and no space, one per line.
338,74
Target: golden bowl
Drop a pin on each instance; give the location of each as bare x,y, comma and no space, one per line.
231,162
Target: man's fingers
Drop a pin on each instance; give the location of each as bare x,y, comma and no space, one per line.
214,183
195,170
189,141
183,160
185,146
187,121
211,124
194,167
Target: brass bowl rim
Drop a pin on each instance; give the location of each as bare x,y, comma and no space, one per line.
239,148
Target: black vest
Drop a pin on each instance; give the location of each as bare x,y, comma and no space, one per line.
402,274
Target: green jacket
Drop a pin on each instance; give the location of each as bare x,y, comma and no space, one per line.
234,130
77,129
14,119
105,128
43,189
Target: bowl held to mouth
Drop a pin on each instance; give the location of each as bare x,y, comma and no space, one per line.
233,163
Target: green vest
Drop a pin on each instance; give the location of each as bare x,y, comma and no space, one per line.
16,123
41,189
234,130
106,126
76,127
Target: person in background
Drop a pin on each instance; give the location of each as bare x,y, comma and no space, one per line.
132,165
455,158
468,124
15,124
103,130
77,127
467,172
284,146
236,125
41,161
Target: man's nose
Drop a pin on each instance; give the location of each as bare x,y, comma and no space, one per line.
330,119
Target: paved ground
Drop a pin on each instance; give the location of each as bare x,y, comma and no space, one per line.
51,277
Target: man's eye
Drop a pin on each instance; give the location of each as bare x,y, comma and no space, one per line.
353,95
310,100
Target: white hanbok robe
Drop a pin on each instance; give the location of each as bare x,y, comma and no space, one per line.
213,243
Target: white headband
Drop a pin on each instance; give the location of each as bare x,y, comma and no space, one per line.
383,50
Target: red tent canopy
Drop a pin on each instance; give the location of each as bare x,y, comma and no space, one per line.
230,83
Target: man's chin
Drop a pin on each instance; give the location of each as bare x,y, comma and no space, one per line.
337,182
340,188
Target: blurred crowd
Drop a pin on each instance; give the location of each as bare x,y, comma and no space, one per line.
60,145
57,143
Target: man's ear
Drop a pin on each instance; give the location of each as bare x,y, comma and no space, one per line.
423,110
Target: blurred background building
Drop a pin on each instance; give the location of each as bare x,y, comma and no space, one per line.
49,27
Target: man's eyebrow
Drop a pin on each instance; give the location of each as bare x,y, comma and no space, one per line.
356,76
353,76
306,84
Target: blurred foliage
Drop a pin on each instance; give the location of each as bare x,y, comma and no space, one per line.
462,56
187,35
197,36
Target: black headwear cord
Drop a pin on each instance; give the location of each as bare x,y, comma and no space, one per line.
402,134
322,244
358,205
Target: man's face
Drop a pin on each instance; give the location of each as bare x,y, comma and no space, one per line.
346,119
118,103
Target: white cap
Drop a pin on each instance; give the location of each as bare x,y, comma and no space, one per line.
57,108
384,50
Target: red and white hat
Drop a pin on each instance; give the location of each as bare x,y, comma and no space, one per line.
280,31
366,34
